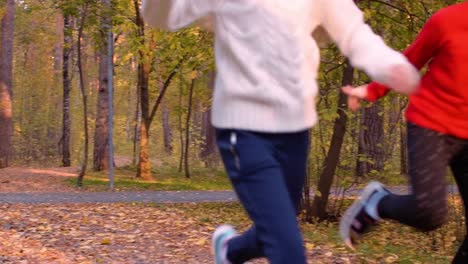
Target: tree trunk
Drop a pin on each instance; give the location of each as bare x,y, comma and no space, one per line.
394,118
84,97
208,133
181,128
136,137
208,148
101,132
404,150
166,130
58,49
130,115
187,130
66,119
144,164
144,68
137,126
54,130
361,161
371,141
6,82
320,201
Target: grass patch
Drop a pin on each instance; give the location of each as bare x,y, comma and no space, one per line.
388,243
165,179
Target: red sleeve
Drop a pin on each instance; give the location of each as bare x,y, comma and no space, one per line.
375,91
426,43
419,53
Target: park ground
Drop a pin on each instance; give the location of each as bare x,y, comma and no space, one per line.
136,232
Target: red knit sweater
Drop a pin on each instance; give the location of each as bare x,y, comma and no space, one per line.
441,104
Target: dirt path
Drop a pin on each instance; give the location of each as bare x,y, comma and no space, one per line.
31,180
46,180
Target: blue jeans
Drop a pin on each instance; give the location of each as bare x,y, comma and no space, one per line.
267,172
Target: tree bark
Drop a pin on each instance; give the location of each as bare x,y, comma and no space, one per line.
371,141
54,129
404,150
394,118
66,119
144,164
319,204
137,126
180,124
208,148
167,130
187,130
208,132
84,97
6,82
144,70
101,132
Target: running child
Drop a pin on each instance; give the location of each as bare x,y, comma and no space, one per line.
437,118
264,103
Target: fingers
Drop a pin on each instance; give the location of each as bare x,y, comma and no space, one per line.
348,90
354,103
359,92
354,96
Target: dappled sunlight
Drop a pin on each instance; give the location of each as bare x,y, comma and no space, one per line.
28,180
5,103
60,172
51,172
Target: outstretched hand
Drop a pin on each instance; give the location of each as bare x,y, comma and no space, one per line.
355,95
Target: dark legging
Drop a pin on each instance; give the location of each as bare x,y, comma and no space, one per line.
430,153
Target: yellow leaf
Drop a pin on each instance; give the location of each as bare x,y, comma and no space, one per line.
391,259
310,246
193,75
201,242
105,241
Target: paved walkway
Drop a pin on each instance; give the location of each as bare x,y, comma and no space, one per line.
145,196
119,197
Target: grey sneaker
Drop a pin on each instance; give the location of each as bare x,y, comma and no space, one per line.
219,243
362,214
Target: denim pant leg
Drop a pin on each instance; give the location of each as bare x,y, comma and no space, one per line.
258,180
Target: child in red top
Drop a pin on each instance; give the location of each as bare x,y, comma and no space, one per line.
437,118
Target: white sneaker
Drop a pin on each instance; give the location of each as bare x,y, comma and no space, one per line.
219,243
362,214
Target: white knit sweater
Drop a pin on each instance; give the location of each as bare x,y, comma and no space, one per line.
266,59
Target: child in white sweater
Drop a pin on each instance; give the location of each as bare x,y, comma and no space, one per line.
264,103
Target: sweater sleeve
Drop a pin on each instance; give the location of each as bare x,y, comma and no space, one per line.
419,53
367,51
375,91
176,14
426,44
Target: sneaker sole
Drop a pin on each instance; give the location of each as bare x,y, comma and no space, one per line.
220,231
353,210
